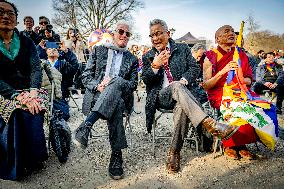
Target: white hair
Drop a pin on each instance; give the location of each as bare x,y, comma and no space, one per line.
119,23
197,46
159,21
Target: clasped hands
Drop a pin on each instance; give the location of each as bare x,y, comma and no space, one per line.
270,85
30,100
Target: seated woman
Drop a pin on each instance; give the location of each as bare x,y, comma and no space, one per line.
270,76
22,139
225,81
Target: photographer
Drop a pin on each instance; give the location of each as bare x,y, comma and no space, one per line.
77,46
63,59
48,34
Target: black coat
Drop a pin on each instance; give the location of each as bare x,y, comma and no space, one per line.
23,72
95,71
182,65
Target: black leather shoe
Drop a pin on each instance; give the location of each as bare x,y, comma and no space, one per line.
115,165
82,135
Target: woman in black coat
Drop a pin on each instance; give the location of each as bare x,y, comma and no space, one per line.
22,140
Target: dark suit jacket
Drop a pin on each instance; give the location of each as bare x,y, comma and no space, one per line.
95,71
182,65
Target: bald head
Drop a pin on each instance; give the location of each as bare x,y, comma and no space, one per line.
225,35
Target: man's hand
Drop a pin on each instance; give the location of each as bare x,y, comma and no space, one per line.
232,65
103,84
42,44
161,59
183,81
63,47
273,86
106,81
268,84
100,87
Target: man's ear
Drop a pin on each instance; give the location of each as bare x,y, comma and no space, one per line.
169,34
216,40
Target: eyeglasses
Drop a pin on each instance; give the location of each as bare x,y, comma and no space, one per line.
44,22
157,34
8,12
121,32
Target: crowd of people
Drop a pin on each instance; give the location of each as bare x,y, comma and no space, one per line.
176,78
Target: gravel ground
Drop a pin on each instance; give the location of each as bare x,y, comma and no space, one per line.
88,168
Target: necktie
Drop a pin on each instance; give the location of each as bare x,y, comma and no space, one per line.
167,71
112,66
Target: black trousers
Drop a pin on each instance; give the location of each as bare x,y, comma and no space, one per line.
279,90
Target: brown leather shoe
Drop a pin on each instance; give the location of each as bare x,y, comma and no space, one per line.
220,130
231,153
173,161
246,154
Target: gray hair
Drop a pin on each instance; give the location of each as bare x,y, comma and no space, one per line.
159,21
123,23
197,46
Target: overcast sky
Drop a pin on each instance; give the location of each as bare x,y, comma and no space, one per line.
200,17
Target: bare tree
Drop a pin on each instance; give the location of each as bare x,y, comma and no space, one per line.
264,40
252,27
88,15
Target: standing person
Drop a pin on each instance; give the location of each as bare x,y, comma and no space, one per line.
75,43
110,78
29,24
45,32
259,57
270,76
22,140
227,84
169,70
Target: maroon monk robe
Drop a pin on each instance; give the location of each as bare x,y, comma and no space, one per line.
246,133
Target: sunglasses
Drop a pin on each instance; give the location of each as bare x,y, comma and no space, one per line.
121,32
45,22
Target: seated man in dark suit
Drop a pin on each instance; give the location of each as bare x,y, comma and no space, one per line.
270,76
110,78
169,71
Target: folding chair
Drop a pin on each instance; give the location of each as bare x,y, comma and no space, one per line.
270,95
127,123
216,141
70,92
192,135
48,114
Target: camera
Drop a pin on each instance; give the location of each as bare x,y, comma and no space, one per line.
52,45
75,31
49,28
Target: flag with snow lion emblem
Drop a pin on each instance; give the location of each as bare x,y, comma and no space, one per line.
239,107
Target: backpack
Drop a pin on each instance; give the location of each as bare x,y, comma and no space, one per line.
60,136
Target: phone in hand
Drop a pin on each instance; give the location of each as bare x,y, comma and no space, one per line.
52,45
